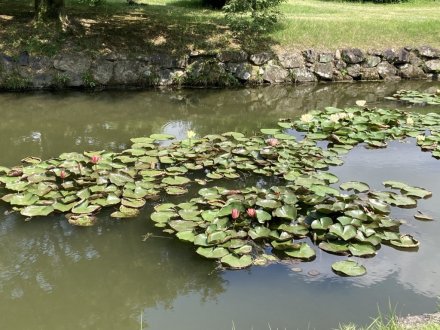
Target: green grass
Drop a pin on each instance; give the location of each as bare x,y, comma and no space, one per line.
179,26
331,25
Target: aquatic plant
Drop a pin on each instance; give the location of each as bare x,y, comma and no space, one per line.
416,97
302,211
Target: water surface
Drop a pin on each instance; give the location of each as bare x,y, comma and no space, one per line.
55,276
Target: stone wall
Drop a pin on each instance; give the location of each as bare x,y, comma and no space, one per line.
229,68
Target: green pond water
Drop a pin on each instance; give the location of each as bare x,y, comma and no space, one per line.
55,276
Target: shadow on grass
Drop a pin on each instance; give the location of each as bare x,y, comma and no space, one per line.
172,28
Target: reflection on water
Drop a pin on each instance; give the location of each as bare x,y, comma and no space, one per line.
54,276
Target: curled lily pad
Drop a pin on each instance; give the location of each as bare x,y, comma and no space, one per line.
405,242
423,216
82,220
349,268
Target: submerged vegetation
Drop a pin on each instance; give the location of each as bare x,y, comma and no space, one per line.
292,205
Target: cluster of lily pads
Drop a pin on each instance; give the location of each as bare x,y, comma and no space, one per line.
240,226
416,97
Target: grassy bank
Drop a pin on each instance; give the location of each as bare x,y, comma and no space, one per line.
182,25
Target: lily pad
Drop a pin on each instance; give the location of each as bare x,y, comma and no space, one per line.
236,262
349,268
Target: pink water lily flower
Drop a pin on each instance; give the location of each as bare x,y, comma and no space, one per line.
95,159
63,174
235,214
272,142
251,212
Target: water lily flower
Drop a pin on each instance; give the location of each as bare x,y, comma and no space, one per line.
251,212
350,115
235,214
190,134
420,138
306,118
272,142
410,121
63,174
95,159
334,117
342,115
361,103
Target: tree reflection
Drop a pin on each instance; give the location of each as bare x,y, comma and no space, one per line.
63,277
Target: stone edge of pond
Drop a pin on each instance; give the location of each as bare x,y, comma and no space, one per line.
224,69
412,322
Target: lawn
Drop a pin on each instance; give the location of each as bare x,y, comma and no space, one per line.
180,26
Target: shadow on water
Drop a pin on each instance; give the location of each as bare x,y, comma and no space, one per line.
54,276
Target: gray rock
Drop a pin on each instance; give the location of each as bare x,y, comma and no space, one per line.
310,55
39,72
7,64
386,70
433,66
324,70
73,63
369,74
102,71
275,74
352,56
415,60
23,59
340,76
389,55
354,71
303,75
428,52
130,72
165,77
261,58
242,71
232,56
341,65
325,57
291,60
409,71
372,61
166,61
338,55
402,56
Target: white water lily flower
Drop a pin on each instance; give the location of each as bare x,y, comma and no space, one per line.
334,117
361,103
342,115
306,118
350,115
420,138
410,121
190,134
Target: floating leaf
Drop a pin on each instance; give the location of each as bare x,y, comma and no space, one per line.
356,186
37,210
237,262
304,252
406,242
212,252
348,268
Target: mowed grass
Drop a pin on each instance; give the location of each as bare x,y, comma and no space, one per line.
180,26
331,24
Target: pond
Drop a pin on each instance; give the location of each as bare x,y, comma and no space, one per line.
56,276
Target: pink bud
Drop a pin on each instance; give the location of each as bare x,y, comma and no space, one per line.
272,142
251,212
235,213
95,159
63,174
